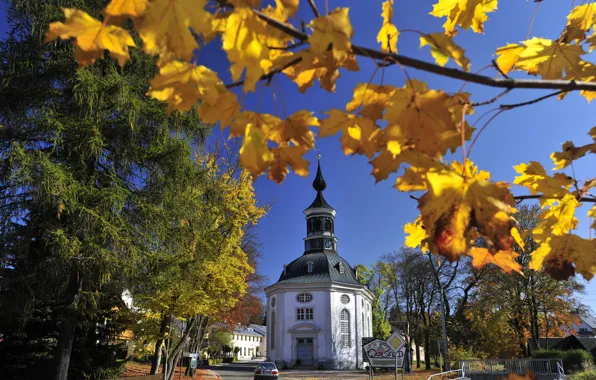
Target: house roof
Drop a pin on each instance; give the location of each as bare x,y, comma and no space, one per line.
243,330
589,320
326,269
259,328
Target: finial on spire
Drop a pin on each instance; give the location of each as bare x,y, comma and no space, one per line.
319,183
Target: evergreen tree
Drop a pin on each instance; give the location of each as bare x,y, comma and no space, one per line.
83,154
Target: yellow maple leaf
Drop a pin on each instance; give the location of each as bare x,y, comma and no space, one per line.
534,177
416,235
359,135
284,156
290,6
517,237
558,218
324,68
244,40
388,34
165,25
413,179
294,129
540,56
255,156
442,48
419,119
562,256
335,30
580,20
592,215
571,153
277,39
223,111
465,13
92,37
183,84
481,257
462,198
132,8
264,121
371,98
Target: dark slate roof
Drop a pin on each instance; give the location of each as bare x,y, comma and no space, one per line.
325,270
319,183
589,320
243,330
320,202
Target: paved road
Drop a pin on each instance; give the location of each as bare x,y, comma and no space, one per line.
244,371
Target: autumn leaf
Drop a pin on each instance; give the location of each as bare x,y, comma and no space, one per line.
223,111
461,198
571,153
254,153
528,376
592,215
517,237
335,30
324,68
388,34
413,179
294,129
371,98
92,37
244,40
359,135
556,218
274,38
182,85
564,255
540,56
264,121
132,8
465,13
416,235
165,25
481,257
419,119
579,21
442,48
284,157
534,178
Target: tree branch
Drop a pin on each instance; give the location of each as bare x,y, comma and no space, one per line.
314,8
511,106
538,196
567,85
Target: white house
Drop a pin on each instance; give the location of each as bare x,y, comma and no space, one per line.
318,312
587,327
249,341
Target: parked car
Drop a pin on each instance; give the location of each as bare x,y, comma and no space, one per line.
266,371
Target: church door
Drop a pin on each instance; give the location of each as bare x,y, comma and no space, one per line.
304,351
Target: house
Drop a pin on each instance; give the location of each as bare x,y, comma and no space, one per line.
570,342
249,342
318,312
586,327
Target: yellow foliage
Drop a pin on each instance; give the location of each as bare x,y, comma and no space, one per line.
442,48
132,8
465,13
388,34
334,29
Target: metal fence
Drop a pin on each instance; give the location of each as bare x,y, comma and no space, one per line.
507,366
140,377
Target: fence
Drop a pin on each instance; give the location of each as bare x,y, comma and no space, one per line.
141,377
493,368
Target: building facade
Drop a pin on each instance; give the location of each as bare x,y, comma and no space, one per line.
318,312
249,340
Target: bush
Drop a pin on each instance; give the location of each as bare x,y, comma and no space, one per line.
461,353
573,360
589,374
228,360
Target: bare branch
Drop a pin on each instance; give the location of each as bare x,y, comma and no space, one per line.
567,85
267,76
510,106
478,104
520,198
314,8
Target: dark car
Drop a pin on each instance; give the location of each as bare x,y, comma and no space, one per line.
266,371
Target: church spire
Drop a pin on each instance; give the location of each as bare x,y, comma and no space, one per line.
319,183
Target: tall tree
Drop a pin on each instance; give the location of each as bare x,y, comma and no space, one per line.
371,278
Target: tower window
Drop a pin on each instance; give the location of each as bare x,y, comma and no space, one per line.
310,266
344,320
327,224
317,225
345,299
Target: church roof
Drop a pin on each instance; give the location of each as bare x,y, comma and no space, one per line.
319,202
325,270
319,185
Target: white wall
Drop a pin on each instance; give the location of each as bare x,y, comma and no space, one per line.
248,342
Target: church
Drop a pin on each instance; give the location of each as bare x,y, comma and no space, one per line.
318,312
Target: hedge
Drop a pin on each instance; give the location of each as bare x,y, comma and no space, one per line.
573,360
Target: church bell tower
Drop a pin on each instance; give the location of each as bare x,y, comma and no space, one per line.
320,220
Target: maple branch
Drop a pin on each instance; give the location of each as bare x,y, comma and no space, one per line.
478,104
269,76
511,106
538,196
557,84
313,6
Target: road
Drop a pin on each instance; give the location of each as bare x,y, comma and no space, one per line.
244,371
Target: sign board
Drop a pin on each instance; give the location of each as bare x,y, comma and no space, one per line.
187,354
193,362
388,353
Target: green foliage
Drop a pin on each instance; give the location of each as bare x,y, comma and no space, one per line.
573,360
457,353
366,276
588,374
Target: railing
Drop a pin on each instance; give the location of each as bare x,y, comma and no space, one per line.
455,374
561,371
507,366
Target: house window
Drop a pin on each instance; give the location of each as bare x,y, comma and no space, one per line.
272,330
345,299
341,268
345,328
304,314
304,297
310,265
273,302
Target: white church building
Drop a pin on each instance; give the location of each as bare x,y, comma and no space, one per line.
318,312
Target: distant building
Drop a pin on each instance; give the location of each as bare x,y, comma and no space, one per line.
318,312
249,340
587,327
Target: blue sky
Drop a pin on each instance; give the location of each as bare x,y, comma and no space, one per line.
370,216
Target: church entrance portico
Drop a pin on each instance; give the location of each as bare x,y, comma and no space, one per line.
304,344
304,351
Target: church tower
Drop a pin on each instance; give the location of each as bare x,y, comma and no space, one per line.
318,312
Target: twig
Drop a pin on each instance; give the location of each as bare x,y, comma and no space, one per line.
511,106
567,85
478,104
289,47
313,6
538,196
267,76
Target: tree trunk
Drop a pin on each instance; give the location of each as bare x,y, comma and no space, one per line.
182,344
417,354
163,329
195,345
68,325
426,349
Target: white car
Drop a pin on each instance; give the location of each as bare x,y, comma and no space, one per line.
266,371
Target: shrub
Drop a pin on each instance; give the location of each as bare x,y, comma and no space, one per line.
589,374
462,353
573,360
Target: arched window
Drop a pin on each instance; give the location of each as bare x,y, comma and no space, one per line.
317,225
310,266
327,224
272,334
344,321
